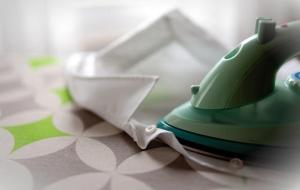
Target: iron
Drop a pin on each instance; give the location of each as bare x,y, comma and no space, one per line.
240,109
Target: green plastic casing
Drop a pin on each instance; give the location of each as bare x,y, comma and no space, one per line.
247,74
239,105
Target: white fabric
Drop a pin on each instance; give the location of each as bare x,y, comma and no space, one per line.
102,82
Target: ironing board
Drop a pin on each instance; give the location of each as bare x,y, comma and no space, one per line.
47,142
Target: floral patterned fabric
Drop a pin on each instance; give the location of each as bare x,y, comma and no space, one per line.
47,142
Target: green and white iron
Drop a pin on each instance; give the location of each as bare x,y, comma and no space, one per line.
239,109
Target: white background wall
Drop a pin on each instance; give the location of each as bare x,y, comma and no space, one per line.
23,26
64,26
